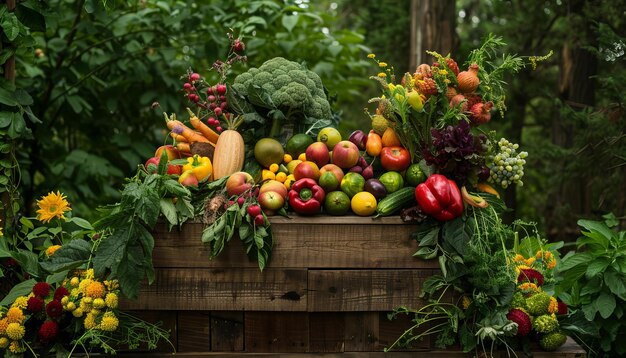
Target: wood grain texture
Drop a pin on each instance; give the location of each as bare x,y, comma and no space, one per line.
227,333
364,290
326,331
194,331
270,332
362,243
361,331
224,290
389,331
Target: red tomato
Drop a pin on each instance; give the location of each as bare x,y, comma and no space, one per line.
395,158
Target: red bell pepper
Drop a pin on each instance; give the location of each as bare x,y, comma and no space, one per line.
306,197
440,198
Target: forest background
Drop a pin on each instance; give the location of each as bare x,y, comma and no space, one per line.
92,78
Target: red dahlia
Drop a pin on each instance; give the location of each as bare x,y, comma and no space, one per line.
41,289
523,321
35,304
48,332
562,308
60,293
54,309
530,275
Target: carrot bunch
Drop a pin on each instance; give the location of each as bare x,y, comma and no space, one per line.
184,136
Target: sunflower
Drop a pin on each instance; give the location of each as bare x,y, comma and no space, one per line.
52,206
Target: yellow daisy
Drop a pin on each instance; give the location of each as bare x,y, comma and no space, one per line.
52,206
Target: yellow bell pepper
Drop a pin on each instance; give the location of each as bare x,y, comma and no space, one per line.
201,167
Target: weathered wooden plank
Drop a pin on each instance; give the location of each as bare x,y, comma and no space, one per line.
313,244
270,332
224,290
364,290
227,331
326,332
391,330
361,332
194,331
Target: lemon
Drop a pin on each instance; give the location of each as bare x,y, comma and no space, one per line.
363,203
329,136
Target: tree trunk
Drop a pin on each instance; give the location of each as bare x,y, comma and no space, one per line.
433,28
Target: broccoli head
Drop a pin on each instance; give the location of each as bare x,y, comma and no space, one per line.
552,341
291,87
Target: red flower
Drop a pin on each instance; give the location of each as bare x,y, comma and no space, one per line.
41,289
60,293
35,304
523,321
10,262
530,275
562,308
48,332
54,308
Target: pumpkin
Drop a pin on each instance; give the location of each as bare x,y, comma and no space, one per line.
229,154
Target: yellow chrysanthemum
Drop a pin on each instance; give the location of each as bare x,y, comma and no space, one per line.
519,258
465,302
551,264
90,321
109,322
530,261
554,306
15,331
4,342
539,254
382,64
111,300
52,206
112,285
71,306
15,315
382,75
4,323
528,286
65,300
77,312
74,281
95,290
371,55
17,347
88,273
547,255
82,286
52,249
20,302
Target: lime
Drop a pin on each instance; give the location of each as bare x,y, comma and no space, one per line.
329,136
363,203
415,175
352,183
392,181
268,151
336,203
297,144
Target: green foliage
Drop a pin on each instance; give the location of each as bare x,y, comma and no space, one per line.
592,280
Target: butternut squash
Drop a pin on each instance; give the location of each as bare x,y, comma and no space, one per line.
229,154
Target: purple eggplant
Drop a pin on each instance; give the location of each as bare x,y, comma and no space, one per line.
376,188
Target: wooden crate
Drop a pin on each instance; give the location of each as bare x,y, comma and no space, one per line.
325,293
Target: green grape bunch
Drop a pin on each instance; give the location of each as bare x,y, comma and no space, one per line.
506,166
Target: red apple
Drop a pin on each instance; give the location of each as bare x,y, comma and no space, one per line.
345,154
174,169
318,153
188,179
307,170
271,200
330,177
275,186
172,152
238,183
155,162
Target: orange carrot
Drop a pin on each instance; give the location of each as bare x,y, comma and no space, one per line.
183,147
179,128
178,138
203,128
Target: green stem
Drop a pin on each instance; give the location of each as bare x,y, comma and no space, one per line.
276,127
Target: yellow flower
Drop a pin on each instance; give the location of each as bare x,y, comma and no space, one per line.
88,273
446,81
551,264
530,261
539,254
4,323
52,249
466,302
111,300
554,305
71,306
17,347
95,290
77,312
20,302
15,315
443,72
382,75
90,321
1,234
4,342
528,286
109,322
519,268
98,303
52,206
382,64
112,285
518,258
15,331
547,255
74,281
82,286
371,55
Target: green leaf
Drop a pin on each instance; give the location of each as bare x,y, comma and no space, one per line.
577,323
10,25
21,289
169,210
596,226
289,21
605,304
581,258
7,98
597,266
175,188
70,256
29,261
590,311
130,272
615,283
112,249
57,277
80,222
148,207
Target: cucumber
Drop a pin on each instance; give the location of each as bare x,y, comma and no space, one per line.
395,201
